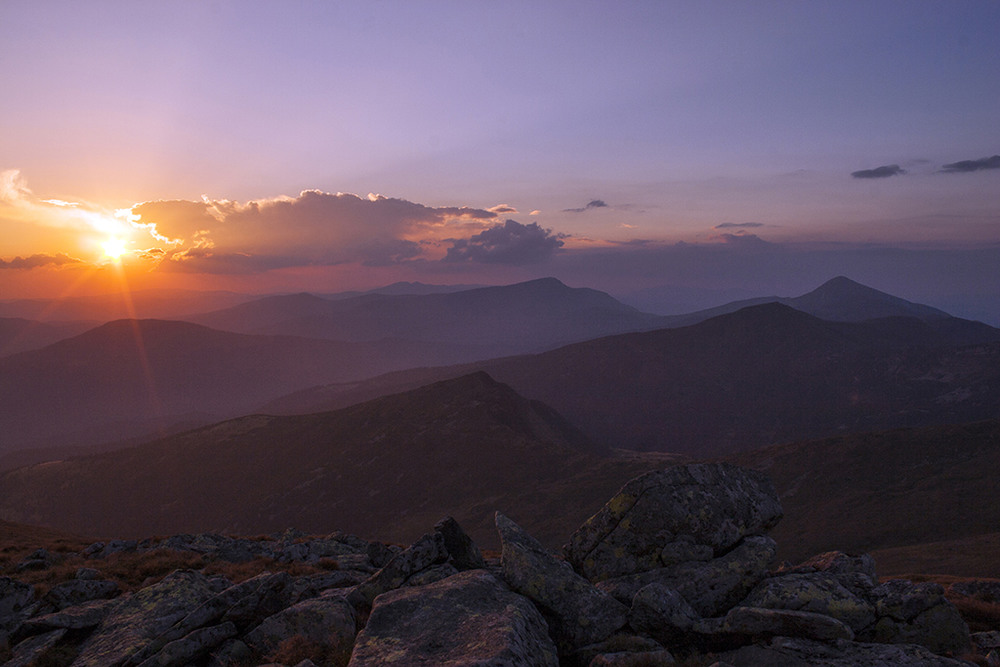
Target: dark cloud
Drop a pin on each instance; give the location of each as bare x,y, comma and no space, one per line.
880,172
972,165
502,208
206,260
593,203
739,225
34,261
509,243
747,241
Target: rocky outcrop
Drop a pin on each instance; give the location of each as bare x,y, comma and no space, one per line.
675,565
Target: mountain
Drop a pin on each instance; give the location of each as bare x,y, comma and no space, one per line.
385,469
524,317
839,300
760,376
920,494
164,304
18,334
130,377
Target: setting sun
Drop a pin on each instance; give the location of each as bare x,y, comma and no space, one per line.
114,248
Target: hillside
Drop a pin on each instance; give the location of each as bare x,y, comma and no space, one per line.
762,375
923,499
383,470
523,317
131,377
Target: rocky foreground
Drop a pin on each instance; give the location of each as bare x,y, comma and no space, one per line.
674,568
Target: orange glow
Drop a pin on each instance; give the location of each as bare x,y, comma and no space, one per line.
114,248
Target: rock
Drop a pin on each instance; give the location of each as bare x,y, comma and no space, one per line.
257,598
791,652
78,591
35,650
662,613
467,619
911,613
138,619
431,574
312,585
840,563
465,555
14,597
614,647
328,623
79,617
426,551
817,592
684,549
985,641
190,648
982,589
87,574
713,504
232,652
578,612
712,587
659,658
745,625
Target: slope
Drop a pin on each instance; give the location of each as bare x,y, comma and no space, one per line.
385,469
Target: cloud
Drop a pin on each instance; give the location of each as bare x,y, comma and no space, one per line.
35,261
744,240
509,243
972,165
593,203
739,225
880,172
314,228
502,208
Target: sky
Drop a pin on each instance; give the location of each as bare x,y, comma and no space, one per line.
723,148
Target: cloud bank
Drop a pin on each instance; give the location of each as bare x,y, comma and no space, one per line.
510,243
35,261
965,166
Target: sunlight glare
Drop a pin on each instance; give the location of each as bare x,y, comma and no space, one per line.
114,248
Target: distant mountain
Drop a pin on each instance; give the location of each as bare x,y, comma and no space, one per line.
131,377
525,317
18,334
927,489
164,304
762,375
385,469
839,300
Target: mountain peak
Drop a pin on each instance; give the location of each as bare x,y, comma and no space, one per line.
842,299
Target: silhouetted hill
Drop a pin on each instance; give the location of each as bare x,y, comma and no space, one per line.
762,375
524,317
839,299
895,489
385,469
18,334
133,376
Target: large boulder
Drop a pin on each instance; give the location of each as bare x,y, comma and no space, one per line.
711,587
138,619
578,612
911,613
796,652
428,550
817,592
328,623
467,619
710,504
745,625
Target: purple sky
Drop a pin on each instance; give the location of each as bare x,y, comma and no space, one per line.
780,143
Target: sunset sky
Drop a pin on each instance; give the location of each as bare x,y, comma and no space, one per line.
262,146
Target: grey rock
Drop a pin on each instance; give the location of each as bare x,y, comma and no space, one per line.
232,652
138,619
79,617
793,652
816,592
431,574
78,591
985,641
661,657
684,549
838,563
662,613
745,625
312,585
578,612
329,623
426,551
716,504
33,650
467,619
192,647
982,589
465,555
87,574
911,613
14,597
712,587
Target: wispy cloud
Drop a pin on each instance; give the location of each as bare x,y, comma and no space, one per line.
35,261
739,225
965,166
593,203
880,172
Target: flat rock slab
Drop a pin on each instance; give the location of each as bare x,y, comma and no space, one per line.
469,619
712,504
